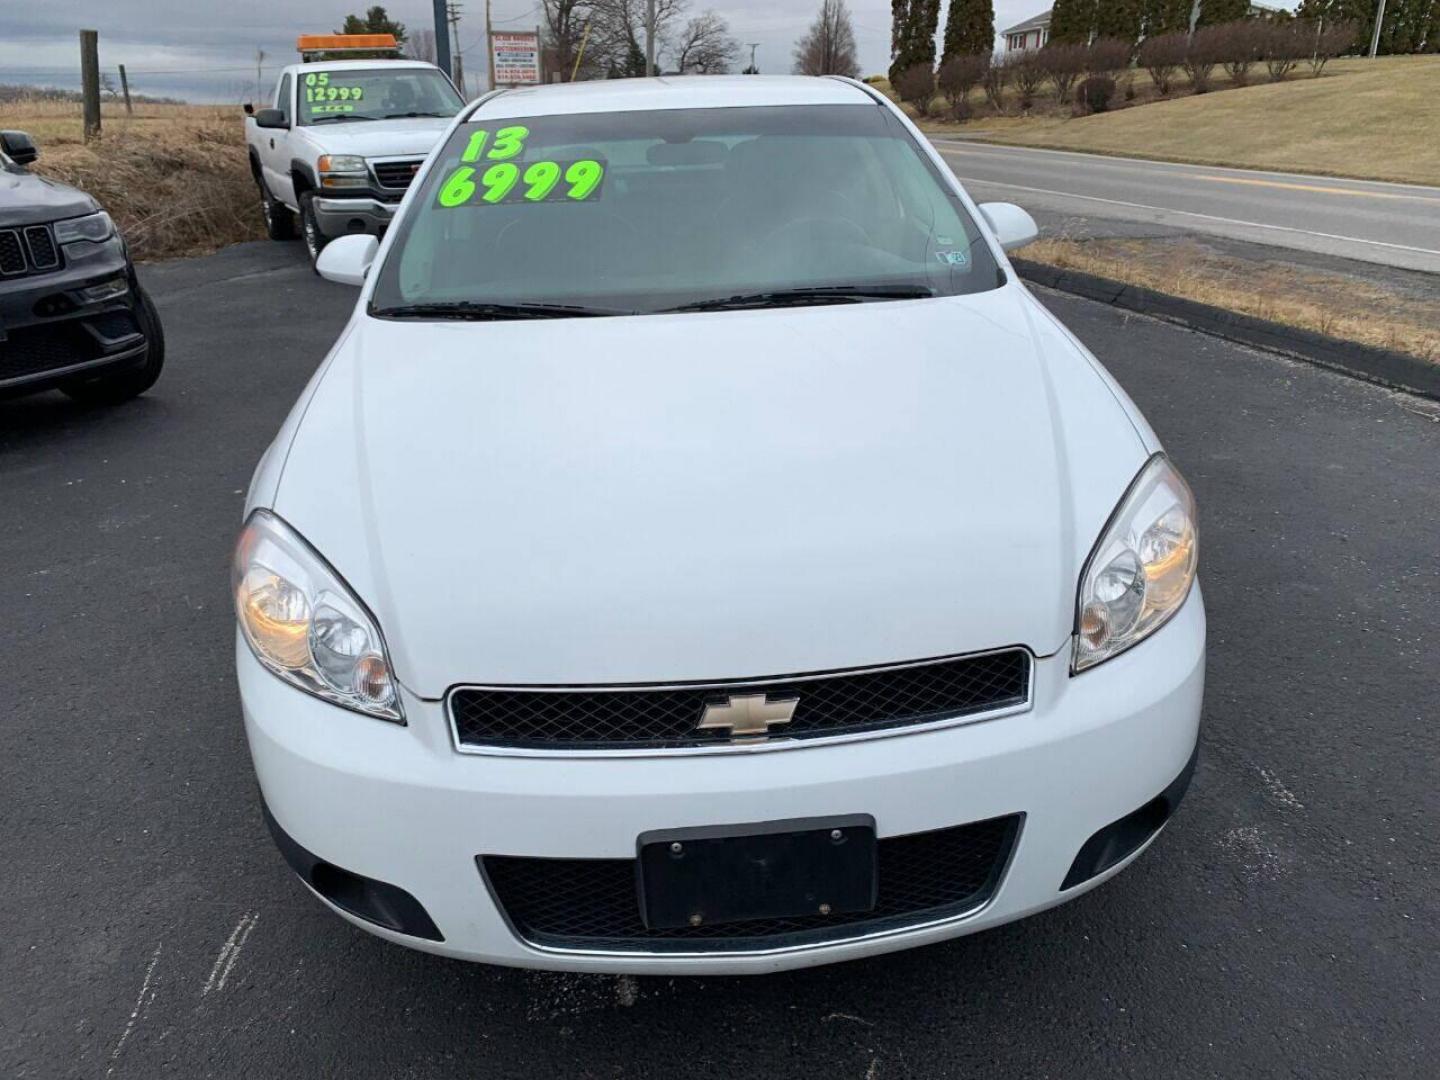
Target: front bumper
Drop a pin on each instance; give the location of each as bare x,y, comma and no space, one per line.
49,332
339,217
400,806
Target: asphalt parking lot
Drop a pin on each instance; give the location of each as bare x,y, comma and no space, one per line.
1285,924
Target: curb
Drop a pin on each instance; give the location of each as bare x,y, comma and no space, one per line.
1384,366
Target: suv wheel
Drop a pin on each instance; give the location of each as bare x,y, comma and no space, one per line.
315,240
279,222
134,378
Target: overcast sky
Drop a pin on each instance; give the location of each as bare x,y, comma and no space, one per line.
205,49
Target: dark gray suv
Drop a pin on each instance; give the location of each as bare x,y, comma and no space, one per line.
72,314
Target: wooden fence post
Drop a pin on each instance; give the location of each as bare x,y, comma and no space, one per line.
125,89
90,81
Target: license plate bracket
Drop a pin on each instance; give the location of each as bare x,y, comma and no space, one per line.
768,870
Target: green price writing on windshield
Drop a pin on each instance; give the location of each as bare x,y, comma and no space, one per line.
507,181
509,141
319,89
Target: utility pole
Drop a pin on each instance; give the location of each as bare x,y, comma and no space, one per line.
489,49
1379,22
649,37
457,58
442,37
90,81
753,46
259,66
125,89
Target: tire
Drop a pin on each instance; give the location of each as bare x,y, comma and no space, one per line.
114,387
310,233
279,221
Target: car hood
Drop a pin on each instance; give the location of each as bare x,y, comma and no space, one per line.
380,138
710,496
27,199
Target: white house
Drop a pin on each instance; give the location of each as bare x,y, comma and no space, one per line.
1033,33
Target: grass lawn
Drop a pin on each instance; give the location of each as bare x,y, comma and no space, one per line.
1370,119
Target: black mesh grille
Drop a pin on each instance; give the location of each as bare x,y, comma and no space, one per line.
32,351
639,718
12,255
43,255
593,903
396,174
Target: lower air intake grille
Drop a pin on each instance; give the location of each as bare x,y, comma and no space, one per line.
640,717
592,903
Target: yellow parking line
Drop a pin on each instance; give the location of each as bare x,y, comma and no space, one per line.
1314,187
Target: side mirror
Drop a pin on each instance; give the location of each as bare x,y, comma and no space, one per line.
270,118
249,109
18,147
347,259
1014,228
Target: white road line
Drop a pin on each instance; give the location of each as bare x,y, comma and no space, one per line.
1001,150
1195,214
142,1000
235,952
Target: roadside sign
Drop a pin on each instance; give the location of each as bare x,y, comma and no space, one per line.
515,57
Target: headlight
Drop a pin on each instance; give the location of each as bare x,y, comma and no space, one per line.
95,228
342,171
1141,569
303,623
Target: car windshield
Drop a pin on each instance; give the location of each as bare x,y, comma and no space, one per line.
644,212
341,94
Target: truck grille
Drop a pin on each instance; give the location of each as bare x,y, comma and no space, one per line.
396,174
642,718
592,903
30,250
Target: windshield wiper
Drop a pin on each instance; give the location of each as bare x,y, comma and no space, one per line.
406,115
338,117
471,309
824,294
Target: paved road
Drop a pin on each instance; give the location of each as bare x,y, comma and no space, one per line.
1285,925
1392,224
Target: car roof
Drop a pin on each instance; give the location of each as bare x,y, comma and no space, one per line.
352,65
674,92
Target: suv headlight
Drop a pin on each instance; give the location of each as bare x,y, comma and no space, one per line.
304,624
342,171
94,228
1140,570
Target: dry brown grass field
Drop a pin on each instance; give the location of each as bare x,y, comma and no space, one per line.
1369,119
174,177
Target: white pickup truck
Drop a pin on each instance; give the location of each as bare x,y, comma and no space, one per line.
341,142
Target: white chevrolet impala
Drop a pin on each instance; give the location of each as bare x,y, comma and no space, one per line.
700,553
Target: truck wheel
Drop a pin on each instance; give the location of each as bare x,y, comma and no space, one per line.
133,379
279,222
315,240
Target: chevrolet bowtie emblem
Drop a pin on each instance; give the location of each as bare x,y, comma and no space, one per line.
747,715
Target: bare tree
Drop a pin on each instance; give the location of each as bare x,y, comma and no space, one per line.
996,76
957,77
1285,45
1029,72
421,46
704,46
1063,64
828,47
617,33
1205,49
916,87
1160,56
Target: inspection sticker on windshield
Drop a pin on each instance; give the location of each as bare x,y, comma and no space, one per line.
486,174
958,259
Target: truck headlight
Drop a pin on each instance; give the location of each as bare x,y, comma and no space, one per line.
304,624
342,171
1140,570
93,228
